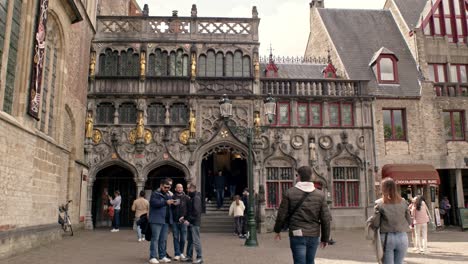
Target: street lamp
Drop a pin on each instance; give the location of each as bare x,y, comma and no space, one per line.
225,107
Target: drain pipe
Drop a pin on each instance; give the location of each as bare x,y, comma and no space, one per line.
366,176
373,141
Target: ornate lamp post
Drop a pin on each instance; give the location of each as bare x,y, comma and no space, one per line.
225,107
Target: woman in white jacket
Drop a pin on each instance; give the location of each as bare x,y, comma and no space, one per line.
237,210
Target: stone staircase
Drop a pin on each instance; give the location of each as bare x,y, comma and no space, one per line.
217,221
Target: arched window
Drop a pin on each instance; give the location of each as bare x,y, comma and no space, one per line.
108,63
179,63
237,64
202,66
179,113
172,64
210,64
229,65
105,113
156,114
152,65
10,49
246,66
387,71
185,65
219,64
127,113
129,63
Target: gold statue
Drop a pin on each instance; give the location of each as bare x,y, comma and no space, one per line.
192,124
184,136
148,136
132,136
142,65
257,123
257,69
97,136
92,65
194,66
89,125
140,129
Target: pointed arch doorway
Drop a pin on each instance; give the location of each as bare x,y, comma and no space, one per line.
156,175
107,181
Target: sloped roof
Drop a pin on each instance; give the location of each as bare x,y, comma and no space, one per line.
382,50
358,35
297,71
411,10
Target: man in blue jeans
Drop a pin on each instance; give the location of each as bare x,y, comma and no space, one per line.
305,209
193,222
179,213
220,185
159,218
116,203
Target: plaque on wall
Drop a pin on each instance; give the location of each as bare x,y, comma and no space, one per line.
297,142
326,142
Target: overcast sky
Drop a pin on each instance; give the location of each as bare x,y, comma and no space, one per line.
284,23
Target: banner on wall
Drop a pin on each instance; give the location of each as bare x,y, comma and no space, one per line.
38,60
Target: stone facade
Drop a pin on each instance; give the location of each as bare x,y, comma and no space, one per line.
41,160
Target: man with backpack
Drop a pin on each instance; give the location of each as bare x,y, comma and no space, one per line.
305,210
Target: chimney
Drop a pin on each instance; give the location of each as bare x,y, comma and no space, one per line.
174,13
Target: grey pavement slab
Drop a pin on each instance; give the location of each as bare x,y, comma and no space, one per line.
101,246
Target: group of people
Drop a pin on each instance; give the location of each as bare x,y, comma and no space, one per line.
179,211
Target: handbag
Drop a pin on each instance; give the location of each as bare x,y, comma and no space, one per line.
291,213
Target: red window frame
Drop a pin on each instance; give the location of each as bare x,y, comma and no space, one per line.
441,8
395,69
340,115
403,120
320,114
306,113
435,71
452,124
458,70
278,117
342,187
279,184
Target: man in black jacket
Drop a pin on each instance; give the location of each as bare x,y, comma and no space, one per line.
220,184
179,213
305,209
193,222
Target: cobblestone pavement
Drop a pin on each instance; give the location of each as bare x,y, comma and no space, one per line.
101,246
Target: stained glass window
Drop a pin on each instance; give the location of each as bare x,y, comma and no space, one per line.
279,179
334,114
283,113
346,115
156,113
246,66
127,113
316,114
346,186
105,113
302,118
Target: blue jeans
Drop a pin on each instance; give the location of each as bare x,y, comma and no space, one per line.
155,236
219,197
116,222
193,240
163,241
304,249
179,231
395,249
139,235
232,190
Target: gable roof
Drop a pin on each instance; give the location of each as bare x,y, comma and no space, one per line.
296,71
411,11
358,35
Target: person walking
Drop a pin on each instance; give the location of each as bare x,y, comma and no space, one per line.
237,209
193,222
140,206
159,216
245,200
305,209
220,184
393,218
421,217
446,207
179,213
116,204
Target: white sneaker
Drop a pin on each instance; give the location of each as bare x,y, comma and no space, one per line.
165,260
177,258
113,230
182,256
139,240
153,261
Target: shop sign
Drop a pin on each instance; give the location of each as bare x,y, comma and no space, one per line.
415,182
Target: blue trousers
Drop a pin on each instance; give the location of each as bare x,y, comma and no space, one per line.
179,232
193,240
396,247
116,222
304,249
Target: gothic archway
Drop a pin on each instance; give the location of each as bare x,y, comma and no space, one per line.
107,181
159,173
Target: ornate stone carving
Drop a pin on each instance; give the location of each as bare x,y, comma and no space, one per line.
97,136
211,122
297,142
326,142
360,142
184,136
225,86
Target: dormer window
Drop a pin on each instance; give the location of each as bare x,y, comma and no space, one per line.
387,69
384,63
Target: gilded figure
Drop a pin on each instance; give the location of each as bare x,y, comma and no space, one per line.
148,136
142,65
257,123
89,125
192,124
257,69
140,130
92,65
194,66
97,136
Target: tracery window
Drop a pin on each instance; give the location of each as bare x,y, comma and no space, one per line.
11,48
279,179
162,63
105,113
214,64
127,113
156,114
129,64
345,186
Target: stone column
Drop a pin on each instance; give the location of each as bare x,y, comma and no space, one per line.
459,184
89,214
